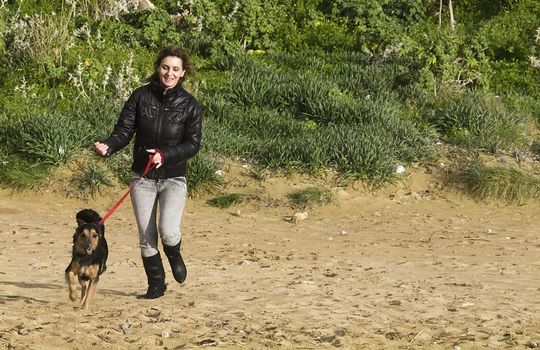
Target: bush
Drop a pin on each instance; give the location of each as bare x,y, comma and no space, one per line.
515,78
510,35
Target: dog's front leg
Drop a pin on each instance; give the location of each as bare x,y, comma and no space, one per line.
72,283
84,290
90,292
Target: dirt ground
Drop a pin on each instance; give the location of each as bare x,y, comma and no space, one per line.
409,267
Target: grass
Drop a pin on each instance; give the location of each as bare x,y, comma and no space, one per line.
309,197
344,113
507,184
227,200
202,175
479,121
20,175
50,138
90,179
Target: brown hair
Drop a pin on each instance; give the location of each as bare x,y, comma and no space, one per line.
175,51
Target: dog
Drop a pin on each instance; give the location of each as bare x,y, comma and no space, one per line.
88,258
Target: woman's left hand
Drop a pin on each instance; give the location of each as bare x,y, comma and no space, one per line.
157,157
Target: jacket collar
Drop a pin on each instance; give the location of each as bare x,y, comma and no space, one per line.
158,88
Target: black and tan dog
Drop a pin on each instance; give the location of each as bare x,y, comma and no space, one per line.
89,256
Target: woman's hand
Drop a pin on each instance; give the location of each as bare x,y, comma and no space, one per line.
101,149
158,160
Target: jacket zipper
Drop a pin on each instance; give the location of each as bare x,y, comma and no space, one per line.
161,116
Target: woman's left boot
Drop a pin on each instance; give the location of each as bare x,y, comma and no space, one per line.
177,263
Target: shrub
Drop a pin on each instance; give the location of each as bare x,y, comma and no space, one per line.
510,35
2,30
515,78
156,28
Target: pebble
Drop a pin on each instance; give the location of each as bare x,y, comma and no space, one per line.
299,217
126,327
532,344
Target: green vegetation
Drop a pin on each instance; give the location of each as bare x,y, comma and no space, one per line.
512,185
90,179
309,86
225,201
309,197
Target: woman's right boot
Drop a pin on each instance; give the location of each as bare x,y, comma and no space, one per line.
156,277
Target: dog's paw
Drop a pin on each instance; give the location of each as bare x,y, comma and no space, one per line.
73,295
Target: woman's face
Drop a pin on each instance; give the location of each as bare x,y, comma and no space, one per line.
170,71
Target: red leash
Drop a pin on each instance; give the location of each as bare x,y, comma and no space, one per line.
149,166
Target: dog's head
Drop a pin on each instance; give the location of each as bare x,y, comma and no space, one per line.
87,238
89,232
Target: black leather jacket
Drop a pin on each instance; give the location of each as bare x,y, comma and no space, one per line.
168,120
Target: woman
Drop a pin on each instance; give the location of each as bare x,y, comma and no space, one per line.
166,122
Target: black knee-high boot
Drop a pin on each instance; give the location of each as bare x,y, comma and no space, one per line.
156,277
177,263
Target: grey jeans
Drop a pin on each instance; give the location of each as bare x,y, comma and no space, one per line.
169,195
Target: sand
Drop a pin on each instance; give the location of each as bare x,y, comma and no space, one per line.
413,266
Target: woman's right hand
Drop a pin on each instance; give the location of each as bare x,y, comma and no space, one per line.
101,149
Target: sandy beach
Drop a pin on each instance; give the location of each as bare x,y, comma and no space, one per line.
413,266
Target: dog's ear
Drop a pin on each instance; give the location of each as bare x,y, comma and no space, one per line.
87,216
101,230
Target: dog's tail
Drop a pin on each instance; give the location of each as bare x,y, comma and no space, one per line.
87,216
